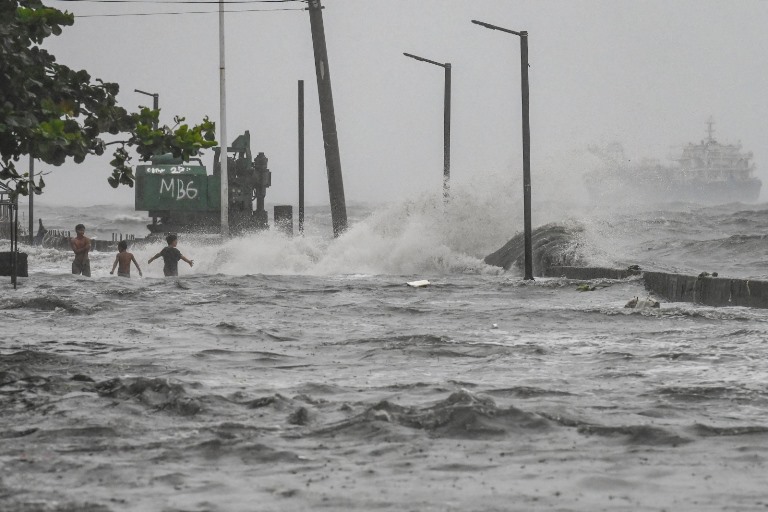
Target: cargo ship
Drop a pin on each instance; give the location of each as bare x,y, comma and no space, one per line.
704,173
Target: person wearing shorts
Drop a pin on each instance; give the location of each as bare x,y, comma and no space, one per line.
171,256
123,261
81,245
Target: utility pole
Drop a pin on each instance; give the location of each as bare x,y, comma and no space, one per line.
301,157
224,177
328,119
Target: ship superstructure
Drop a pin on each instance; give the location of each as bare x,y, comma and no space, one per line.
708,173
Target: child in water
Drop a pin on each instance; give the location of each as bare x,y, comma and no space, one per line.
171,256
124,259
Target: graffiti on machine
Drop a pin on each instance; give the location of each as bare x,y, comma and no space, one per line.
183,197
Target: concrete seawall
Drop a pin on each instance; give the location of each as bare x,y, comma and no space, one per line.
589,272
556,253
709,291
712,291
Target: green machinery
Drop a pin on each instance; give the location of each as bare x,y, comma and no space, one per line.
183,197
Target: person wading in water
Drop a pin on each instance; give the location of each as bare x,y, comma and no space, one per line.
81,245
171,256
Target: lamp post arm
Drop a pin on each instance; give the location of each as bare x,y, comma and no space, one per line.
154,95
422,59
495,27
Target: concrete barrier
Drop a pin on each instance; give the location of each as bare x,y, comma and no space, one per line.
589,272
6,264
711,291
283,218
706,290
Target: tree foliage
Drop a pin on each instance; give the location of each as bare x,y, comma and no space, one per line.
52,112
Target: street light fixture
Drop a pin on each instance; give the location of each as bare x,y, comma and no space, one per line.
446,122
155,102
526,143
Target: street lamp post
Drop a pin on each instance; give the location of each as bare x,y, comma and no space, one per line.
526,143
155,102
446,122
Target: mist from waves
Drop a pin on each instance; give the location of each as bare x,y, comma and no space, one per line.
687,238
414,236
423,235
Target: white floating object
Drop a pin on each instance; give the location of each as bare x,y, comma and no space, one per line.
418,284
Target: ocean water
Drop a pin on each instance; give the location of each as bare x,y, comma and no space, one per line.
301,373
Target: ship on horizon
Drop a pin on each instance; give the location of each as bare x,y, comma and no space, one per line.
706,173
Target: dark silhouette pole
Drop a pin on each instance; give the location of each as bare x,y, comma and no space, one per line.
446,122
526,143
328,119
447,133
301,157
31,199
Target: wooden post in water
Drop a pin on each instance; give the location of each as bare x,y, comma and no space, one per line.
328,119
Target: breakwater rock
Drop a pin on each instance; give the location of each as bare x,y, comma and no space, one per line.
556,253
552,245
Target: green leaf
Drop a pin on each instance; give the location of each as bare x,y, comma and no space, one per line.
59,114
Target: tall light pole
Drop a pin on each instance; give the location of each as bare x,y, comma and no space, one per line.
155,102
224,176
446,122
526,143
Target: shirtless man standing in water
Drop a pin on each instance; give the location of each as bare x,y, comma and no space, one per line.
81,245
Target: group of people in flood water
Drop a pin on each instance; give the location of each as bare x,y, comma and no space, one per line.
81,246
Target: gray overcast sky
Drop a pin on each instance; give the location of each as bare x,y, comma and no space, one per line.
645,73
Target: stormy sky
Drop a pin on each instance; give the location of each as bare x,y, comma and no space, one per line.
647,74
